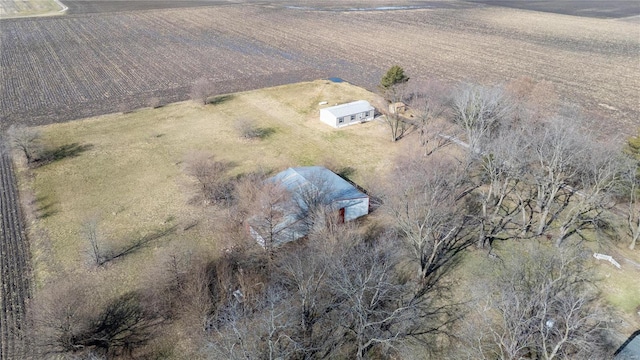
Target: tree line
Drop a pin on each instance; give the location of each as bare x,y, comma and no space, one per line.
496,167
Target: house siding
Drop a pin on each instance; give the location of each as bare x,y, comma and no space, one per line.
348,118
353,208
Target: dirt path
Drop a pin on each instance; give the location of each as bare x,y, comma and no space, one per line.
14,267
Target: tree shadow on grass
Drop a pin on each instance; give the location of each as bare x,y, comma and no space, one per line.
45,207
62,152
219,99
136,245
345,172
264,132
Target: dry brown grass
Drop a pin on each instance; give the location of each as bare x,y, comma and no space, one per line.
131,176
19,8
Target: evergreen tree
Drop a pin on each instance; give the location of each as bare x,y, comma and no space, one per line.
395,75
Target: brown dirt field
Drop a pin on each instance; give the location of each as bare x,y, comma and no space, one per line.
58,69
609,9
15,274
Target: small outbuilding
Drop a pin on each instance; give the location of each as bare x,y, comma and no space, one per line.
397,108
347,114
307,186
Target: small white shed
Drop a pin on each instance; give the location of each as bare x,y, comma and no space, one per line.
347,114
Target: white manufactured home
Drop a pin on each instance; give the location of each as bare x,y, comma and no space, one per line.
347,114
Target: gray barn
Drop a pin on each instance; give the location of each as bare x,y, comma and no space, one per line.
338,195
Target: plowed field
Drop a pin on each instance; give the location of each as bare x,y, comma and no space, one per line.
14,267
55,69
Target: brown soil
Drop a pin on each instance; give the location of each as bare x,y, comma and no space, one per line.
14,267
609,9
58,69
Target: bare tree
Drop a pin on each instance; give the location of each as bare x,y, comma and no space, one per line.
348,296
541,304
60,312
154,102
601,167
201,90
550,179
573,177
271,221
334,294
70,319
248,128
263,335
479,111
427,206
91,232
391,116
371,308
503,197
313,202
211,174
27,140
630,189
429,103
307,272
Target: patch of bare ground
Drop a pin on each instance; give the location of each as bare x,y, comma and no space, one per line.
103,6
72,67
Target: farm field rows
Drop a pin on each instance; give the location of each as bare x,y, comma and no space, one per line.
14,267
599,9
18,8
58,69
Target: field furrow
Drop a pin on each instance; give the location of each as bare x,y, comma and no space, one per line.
75,66
14,268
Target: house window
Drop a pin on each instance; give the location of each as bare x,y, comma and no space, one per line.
340,120
353,117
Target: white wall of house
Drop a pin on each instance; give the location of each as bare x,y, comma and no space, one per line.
254,234
329,117
353,209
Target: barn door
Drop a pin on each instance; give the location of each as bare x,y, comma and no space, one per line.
341,216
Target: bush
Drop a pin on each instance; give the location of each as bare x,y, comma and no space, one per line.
248,128
27,141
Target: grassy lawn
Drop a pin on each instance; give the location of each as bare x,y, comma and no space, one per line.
126,170
18,8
